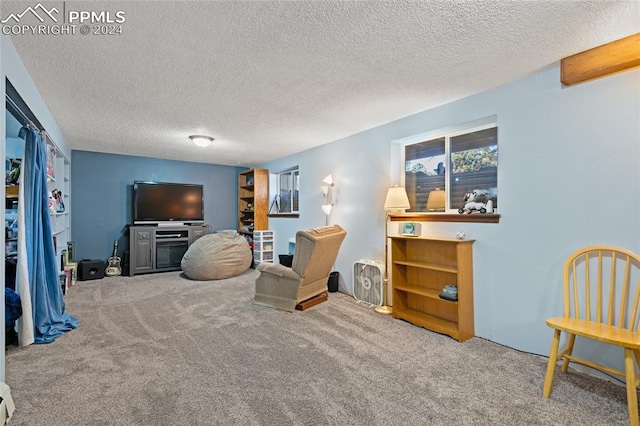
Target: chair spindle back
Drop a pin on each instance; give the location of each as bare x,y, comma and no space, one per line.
614,297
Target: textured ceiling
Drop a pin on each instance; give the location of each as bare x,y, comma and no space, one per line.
268,79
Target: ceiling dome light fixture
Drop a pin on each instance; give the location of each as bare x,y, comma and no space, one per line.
201,140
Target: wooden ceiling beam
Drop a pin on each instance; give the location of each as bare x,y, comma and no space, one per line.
610,58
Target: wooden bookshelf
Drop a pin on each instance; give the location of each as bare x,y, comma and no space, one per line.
253,200
420,269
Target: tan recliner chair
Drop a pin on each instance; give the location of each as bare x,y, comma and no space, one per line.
316,250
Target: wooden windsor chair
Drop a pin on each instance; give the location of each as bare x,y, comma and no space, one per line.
601,297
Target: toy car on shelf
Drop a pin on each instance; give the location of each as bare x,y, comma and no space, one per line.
476,202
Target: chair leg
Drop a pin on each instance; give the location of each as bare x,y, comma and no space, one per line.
551,365
570,341
630,377
636,354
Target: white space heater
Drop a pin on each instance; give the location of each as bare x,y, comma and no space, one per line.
368,286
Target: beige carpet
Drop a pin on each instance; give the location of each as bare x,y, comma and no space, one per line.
163,350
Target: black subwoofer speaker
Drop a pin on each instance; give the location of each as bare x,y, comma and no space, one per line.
334,281
90,269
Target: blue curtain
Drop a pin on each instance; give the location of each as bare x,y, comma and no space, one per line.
47,301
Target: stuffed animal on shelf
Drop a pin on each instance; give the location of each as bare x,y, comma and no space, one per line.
476,202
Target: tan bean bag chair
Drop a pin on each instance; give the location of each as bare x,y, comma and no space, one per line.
217,256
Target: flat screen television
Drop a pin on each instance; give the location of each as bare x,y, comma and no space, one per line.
163,203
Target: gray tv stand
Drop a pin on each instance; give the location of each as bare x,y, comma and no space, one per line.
160,248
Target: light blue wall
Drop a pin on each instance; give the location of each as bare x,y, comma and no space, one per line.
12,68
569,176
102,198
360,167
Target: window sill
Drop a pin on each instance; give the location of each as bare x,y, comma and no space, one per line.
445,217
284,215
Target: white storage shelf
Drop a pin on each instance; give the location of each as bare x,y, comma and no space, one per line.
58,171
59,178
263,246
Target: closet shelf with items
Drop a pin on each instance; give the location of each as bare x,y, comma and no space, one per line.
42,225
12,189
58,181
58,185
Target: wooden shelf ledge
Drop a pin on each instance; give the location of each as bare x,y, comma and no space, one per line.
430,266
445,217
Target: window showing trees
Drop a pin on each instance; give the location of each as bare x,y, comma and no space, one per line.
439,172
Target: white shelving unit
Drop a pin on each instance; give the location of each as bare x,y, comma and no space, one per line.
59,178
263,246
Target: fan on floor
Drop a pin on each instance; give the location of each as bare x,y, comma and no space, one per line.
367,282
